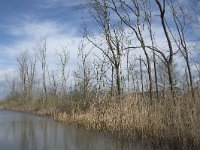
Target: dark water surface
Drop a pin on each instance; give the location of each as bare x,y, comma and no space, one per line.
22,131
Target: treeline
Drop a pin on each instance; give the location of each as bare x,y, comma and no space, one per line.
125,54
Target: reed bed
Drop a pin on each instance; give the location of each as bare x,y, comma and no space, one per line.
173,121
165,121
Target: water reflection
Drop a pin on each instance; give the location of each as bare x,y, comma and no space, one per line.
21,131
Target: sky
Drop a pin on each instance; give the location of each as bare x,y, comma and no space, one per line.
24,22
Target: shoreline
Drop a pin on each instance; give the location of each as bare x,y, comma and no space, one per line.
91,120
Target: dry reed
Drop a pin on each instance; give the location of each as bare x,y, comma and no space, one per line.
168,120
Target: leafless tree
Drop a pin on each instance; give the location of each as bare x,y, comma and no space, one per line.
169,59
22,61
83,74
41,51
64,58
194,13
53,85
112,35
31,74
125,10
141,76
14,89
100,71
27,72
181,23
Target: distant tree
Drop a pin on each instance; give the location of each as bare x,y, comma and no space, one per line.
27,72
53,84
22,61
83,74
13,86
63,56
41,51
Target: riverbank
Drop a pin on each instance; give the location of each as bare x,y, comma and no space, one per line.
166,121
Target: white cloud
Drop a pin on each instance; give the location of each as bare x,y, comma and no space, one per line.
30,32
36,29
54,44
6,73
60,3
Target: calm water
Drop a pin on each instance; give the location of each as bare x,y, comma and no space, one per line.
21,131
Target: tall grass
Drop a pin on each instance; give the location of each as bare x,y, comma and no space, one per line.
168,120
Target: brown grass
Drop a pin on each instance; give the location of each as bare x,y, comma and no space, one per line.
135,117
168,120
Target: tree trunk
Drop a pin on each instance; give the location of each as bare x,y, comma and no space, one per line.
190,77
141,77
118,79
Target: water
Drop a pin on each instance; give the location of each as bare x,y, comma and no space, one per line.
22,131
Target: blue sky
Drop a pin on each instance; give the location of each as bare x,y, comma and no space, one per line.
16,13
26,21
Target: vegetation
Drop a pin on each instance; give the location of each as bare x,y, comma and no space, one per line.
127,83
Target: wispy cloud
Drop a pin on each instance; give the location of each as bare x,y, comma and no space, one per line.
61,3
36,29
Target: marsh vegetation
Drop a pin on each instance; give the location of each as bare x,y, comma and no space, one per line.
137,74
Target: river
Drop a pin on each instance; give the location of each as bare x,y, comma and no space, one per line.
23,131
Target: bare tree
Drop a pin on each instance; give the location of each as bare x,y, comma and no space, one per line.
141,76
113,36
64,58
41,51
196,62
180,19
124,11
27,70
133,74
22,61
168,60
148,19
128,70
83,74
31,75
14,90
162,76
100,71
54,84
194,14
